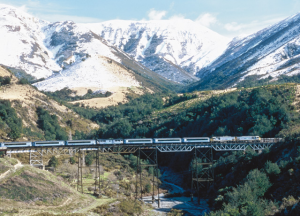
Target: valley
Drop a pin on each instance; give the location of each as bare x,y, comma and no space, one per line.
157,79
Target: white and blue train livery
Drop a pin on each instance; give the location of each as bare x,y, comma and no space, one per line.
195,139
143,141
48,143
80,142
16,144
109,141
167,140
247,138
138,141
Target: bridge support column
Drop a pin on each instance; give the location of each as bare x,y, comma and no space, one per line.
202,170
151,156
97,191
36,157
79,173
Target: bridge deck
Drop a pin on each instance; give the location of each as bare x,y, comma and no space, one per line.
130,148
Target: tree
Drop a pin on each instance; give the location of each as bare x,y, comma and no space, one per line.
23,81
147,188
49,124
271,169
89,158
72,160
15,132
53,162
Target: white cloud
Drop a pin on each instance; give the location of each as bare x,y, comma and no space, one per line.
156,15
206,19
234,26
252,26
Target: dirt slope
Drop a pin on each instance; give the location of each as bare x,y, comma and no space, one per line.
25,99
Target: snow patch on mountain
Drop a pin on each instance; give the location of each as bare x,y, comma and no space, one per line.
96,71
183,43
22,43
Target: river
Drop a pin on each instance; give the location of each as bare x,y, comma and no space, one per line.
180,202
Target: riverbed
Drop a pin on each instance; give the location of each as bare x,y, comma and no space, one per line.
178,202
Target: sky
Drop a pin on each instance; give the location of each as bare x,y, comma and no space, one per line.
227,17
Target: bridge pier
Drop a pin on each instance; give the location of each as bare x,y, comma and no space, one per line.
80,165
36,158
97,190
151,156
202,170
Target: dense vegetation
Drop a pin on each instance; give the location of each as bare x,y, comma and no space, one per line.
67,94
49,124
258,184
252,81
261,111
5,80
9,120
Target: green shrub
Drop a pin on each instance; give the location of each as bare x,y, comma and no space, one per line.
53,162
89,158
23,81
148,188
5,80
271,169
49,124
9,116
130,207
72,160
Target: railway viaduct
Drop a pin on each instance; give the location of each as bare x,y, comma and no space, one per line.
201,178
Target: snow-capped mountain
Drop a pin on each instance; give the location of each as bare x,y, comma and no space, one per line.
175,49
273,51
140,53
66,54
22,44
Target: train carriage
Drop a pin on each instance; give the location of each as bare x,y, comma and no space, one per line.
48,143
195,139
167,140
80,142
248,138
109,141
138,141
17,144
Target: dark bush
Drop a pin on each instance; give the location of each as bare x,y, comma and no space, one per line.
5,80
23,81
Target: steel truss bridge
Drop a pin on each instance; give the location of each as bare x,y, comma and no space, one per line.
202,171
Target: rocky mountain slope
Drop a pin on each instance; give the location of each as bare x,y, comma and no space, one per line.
273,51
154,55
25,100
67,55
175,49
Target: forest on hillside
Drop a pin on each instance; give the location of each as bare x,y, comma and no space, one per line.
263,111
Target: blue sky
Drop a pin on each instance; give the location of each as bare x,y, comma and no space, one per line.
227,17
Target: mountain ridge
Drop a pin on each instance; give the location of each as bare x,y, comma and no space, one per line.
272,51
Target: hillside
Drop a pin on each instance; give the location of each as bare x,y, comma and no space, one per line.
65,54
258,184
26,191
271,52
24,100
265,111
175,49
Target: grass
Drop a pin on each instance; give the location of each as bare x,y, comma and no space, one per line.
26,185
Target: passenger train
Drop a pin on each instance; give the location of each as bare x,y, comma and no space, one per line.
145,141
